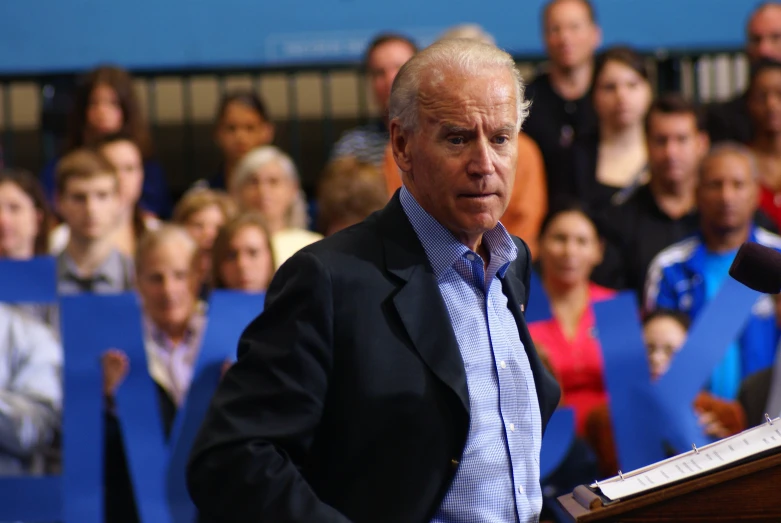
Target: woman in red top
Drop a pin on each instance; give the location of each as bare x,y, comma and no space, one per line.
764,104
569,249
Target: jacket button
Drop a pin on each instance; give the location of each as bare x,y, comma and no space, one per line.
454,463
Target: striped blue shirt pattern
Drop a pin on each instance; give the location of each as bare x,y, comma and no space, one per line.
498,477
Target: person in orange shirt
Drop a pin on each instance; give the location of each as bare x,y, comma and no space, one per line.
528,203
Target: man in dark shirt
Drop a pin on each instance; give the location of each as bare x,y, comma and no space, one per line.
663,211
384,57
561,98
730,120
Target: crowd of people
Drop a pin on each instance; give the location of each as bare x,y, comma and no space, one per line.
616,188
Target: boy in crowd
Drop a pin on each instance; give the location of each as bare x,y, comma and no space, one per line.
88,200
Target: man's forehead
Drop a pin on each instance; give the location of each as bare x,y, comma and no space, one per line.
728,163
492,84
660,121
767,18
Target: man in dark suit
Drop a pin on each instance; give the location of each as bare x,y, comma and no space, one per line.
391,377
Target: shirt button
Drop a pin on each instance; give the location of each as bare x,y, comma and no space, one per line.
512,427
470,257
502,364
520,490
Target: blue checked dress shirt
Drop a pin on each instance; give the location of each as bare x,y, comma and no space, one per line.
498,479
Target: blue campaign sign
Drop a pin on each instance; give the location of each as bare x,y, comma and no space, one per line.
90,325
716,327
33,498
229,314
538,308
158,466
51,35
628,382
28,281
558,438
645,415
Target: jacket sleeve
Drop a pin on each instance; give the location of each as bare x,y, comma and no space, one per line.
31,399
257,436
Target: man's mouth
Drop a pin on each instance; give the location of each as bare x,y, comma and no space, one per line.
478,196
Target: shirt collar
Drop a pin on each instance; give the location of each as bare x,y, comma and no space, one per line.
110,271
192,333
443,250
697,261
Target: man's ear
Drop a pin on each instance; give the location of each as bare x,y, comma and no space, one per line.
399,139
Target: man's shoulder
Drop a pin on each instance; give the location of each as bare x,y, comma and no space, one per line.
677,253
767,238
371,132
366,142
19,327
353,245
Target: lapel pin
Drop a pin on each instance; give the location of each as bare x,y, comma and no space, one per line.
523,307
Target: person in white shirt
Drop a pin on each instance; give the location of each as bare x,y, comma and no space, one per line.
30,391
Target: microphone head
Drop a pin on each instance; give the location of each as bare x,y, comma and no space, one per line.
757,267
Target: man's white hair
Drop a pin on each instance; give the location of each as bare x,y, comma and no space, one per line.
450,55
468,32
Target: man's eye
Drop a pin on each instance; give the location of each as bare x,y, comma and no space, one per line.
501,140
456,140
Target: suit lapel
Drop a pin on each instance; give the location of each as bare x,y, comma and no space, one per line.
419,303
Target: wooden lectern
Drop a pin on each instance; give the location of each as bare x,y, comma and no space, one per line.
749,491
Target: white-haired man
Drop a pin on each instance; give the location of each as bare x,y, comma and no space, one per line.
391,377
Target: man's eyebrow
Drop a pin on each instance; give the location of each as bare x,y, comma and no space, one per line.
509,128
455,128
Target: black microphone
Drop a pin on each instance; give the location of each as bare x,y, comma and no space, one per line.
757,267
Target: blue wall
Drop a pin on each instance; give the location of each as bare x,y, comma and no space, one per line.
66,35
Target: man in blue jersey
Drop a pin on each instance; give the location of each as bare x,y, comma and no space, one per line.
688,274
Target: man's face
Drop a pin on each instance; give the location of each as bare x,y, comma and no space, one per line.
764,34
459,163
571,37
90,206
764,101
727,193
382,66
675,146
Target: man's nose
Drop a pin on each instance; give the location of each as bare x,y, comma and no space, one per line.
480,162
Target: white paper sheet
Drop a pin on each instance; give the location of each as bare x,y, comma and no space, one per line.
717,455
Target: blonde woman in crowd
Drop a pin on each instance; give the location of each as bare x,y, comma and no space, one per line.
243,259
202,212
266,181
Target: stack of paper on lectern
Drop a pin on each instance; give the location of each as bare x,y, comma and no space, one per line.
694,463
